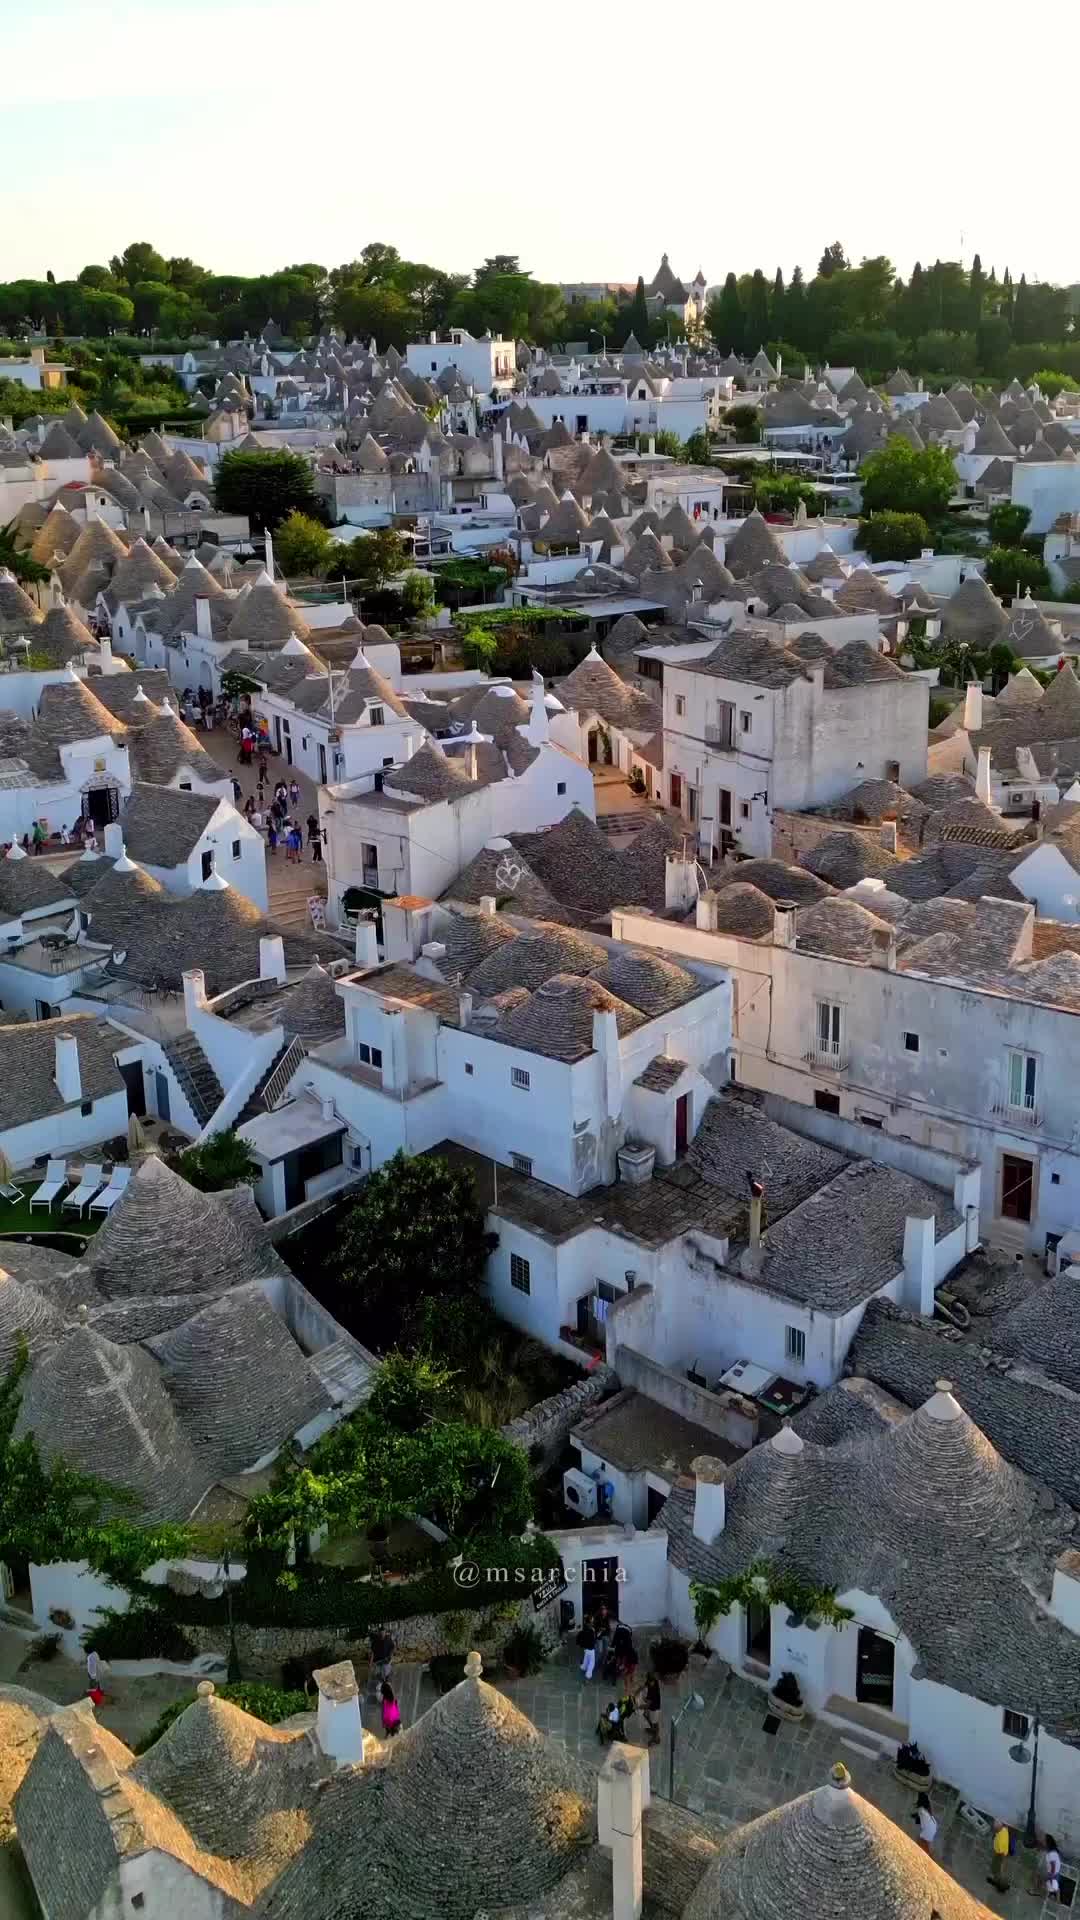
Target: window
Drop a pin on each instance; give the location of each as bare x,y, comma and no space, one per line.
138,1900
680,705
369,1056
829,1016
911,1043
521,1163
376,716
826,1102
207,864
722,732
1023,1071
1015,1725
520,1276
560,786
872,1120
185,786
468,1066
1055,1179
519,1077
795,1345
236,849
746,722
86,1109
744,809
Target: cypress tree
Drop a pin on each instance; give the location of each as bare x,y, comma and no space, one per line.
730,327
757,313
776,308
976,291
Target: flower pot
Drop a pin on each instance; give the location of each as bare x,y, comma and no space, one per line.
918,1782
784,1709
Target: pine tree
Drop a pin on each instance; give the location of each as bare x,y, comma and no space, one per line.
776,308
976,292
635,318
728,328
757,313
1007,295
794,327
833,260
1021,317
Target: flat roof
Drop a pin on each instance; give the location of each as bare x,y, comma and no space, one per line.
638,1435
300,1124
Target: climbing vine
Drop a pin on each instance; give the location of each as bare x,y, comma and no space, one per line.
764,1585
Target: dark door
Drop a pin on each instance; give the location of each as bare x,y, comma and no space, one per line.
599,1581
132,1075
676,790
294,1181
277,733
759,1633
1017,1177
725,806
103,805
875,1662
682,1123
288,748
594,747
656,1500
322,764
162,1096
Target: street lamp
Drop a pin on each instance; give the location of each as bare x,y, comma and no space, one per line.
1021,1754
695,1701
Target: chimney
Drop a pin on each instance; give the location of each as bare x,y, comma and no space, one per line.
706,911
982,778
537,730
488,905
622,1795
105,656
194,993
202,617
68,1076
338,1728
605,1039
757,1206
114,840
464,1010
709,1497
973,713
920,1232
367,941
269,539
1065,1592
883,948
272,958
784,925
680,881
887,835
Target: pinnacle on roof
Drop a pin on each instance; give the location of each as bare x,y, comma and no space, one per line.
753,546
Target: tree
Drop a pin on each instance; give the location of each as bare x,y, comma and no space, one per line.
697,450
302,545
777,305
138,262
415,1228
417,596
372,558
480,646
1008,524
894,536
899,480
794,326
667,443
976,295
746,421
1013,570
265,486
634,319
1052,383
757,313
725,318
17,560
224,1160
833,260
783,492
943,352
497,264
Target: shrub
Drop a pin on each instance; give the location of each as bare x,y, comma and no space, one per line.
1011,570
141,1633
446,1669
669,1656
524,1650
1008,524
262,1701
911,1759
894,536
297,1669
787,1690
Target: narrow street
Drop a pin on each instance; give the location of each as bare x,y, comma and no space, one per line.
290,886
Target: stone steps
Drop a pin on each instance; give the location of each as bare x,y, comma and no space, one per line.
195,1076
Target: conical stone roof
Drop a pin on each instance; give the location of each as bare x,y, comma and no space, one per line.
753,546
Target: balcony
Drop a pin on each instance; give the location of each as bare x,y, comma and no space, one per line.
1024,1118
827,1059
720,737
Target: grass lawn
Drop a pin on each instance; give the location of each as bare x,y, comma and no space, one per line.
16,1217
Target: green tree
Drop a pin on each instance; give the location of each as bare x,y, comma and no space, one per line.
1008,524
1013,570
833,260
943,352
634,319
480,646
992,342
746,421
794,326
666,443
266,486
224,1160
894,536
724,318
777,305
410,1391
757,312
1053,383
976,295
417,596
698,450
415,1228
899,480
302,545
16,559
138,262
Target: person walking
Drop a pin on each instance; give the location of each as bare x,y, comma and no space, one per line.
391,1712
603,1624
649,1701
271,835
314,834
1000,1849
923,1817
37,835
382,1657
264,771
587,1642
281,794
1051,1868
294,794
249,806
93,1677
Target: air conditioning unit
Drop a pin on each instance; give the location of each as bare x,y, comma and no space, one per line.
580,1492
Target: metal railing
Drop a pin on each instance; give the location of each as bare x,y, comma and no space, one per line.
1017,1115
832,1059
278,1084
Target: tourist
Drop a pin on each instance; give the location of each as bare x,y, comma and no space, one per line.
1051,1867
999,1858
257,819
264,771
281,794
587,1642
296,842
391,1712
294,793
649,1701
272,834
602,1622
609,1725
93,1677
314,834
249,805
37,835
924,1819
382,1655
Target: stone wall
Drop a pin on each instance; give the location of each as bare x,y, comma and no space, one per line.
263,1649
548,1424
797,833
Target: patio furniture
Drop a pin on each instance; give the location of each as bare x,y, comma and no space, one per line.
9,1191
109,1195
80,1196
54,1182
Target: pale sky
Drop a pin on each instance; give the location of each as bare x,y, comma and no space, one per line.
252,133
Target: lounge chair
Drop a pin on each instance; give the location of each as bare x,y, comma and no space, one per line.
80,1196
54,1182
109,1195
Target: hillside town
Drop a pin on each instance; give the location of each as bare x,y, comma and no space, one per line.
539,1155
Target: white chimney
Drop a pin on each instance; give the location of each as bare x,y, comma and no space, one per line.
269,538
982,778
887,835
623,1793
973,713
920,1234
114,840
709,1497
272,958
465,1007
202,617
194,992
706,911
68,1076
537,729
338,1727
784,924
883,948
367,941
105,656
680,881
488,905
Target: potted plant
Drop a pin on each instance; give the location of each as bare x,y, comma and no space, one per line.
912,1767
669,1656
523,1653
707,1610
786,1698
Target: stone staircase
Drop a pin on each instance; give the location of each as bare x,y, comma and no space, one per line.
255,1102
195,1077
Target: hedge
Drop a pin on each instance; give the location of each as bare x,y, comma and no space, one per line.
256,1697
143,1632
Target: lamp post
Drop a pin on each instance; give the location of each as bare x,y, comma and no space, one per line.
695,1701
1022,1755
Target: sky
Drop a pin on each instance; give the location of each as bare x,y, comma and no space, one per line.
587,141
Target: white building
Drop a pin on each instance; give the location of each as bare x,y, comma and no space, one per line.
185,839
487,365
61,1090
